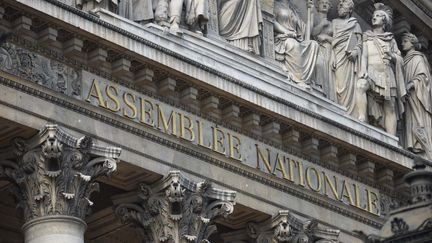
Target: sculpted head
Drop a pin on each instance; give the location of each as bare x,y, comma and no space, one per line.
410,41
324,6
382,17
345,8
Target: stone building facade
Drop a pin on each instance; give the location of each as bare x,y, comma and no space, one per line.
214,121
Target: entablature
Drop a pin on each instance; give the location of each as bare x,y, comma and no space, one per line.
266,107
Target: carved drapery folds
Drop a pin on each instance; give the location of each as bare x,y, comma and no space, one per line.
54,173
283,227
175,209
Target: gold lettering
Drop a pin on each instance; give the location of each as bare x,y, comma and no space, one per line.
279,166
112,93
309,181
300,171
130,104
234,147
291,164
189,127
146,113
166,124
218,141
357,196
95,92
372,199
200,135
333,187
345,193
264,159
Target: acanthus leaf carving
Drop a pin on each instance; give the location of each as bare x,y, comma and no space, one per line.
53,176
285,227
176,209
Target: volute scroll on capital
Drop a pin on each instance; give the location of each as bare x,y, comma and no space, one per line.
285,227
53,173
175,209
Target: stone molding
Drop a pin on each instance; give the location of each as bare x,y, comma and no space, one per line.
176,209
110,26
307,156
284,227
54,173
139,132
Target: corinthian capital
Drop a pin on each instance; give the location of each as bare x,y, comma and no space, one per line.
283,227
175,209
54,173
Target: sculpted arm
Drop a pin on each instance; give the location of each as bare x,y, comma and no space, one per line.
319,34
364,62
280,29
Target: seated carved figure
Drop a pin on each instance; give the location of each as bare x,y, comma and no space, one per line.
418,111
381,87
297,56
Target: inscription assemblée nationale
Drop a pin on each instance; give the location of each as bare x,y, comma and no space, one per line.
170,120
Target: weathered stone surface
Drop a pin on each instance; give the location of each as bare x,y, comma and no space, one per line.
175,209
54,173
39,69
283,227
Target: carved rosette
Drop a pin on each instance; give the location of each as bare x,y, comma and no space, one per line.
285,227
54,173
176,209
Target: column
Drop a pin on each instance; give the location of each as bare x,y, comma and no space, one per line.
53,176
175,209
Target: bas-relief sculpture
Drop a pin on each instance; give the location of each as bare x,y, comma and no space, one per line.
39,69
240,23
418,111
381,86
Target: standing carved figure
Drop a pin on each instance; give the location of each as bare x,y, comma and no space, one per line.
345,60
418,113
323,34
381,87
140,11
240,23
88,5
196,15
297,56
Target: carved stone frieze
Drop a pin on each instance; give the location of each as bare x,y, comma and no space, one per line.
284,227
54,173
39,69
176,209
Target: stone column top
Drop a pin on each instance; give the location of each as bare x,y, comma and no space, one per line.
54,173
